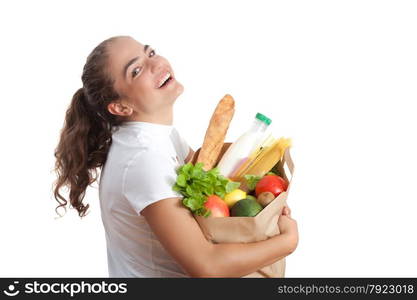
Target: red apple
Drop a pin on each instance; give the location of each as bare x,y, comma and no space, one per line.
217,206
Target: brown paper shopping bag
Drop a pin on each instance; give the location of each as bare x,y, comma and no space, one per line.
252,229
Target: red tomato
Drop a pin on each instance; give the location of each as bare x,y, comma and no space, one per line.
271,183
217,206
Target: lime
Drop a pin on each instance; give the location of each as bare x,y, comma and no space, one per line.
246,208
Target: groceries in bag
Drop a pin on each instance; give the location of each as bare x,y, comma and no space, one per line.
261,161
248,159
199,186
212,197
240,150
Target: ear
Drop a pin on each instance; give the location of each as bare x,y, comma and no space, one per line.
119,109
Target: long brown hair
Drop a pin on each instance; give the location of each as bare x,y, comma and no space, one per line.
86,135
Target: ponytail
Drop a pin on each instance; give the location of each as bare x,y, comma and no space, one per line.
86,136
83,147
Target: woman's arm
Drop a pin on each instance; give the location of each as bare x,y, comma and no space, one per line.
180,234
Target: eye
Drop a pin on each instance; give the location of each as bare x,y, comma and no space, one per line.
136,71
152,53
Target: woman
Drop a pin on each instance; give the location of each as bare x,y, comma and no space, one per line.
120,121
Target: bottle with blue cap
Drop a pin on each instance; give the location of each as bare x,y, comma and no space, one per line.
240,150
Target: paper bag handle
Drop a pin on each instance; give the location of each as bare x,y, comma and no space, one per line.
287,160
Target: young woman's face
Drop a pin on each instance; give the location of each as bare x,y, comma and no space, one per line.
138,73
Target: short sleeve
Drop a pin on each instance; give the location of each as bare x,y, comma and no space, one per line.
149,178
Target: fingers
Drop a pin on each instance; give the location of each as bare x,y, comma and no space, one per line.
286,211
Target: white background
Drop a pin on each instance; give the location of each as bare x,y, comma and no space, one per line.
338,77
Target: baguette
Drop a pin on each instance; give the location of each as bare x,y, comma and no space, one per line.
216,132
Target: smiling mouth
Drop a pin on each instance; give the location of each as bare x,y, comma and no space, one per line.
165,80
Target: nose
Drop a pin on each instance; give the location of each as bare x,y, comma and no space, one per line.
155,65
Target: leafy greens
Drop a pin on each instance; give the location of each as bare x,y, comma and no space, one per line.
195,184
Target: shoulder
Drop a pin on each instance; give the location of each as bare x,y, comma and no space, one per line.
151,160
150,167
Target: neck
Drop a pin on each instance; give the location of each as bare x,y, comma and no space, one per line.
164,117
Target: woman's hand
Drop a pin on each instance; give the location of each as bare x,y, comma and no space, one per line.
288,226
286,211
200,258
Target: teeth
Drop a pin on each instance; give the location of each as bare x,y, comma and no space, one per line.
168,75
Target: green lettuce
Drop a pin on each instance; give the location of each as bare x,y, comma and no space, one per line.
195,184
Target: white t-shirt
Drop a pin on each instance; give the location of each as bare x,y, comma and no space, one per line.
140,170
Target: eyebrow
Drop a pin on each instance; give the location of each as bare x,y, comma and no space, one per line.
133,60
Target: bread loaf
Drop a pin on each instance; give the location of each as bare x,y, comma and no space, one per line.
216,132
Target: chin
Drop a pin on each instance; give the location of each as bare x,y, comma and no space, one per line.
173,93
179,89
